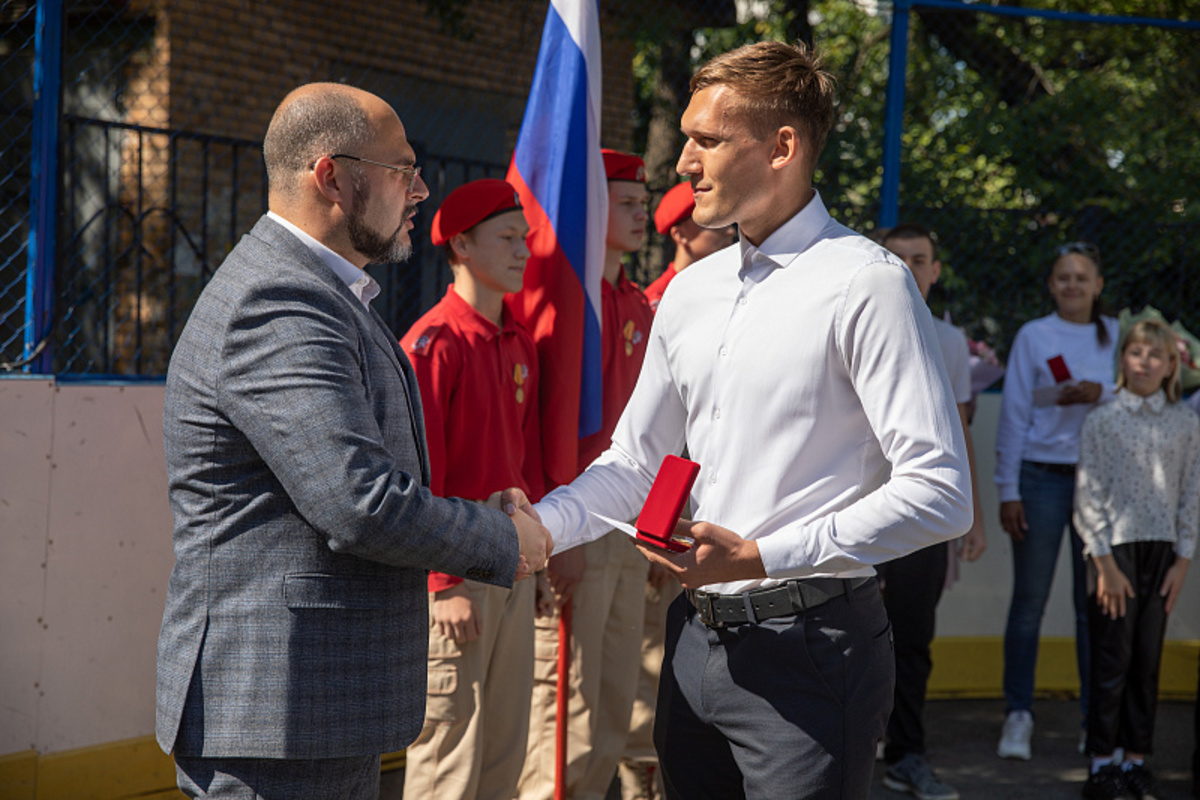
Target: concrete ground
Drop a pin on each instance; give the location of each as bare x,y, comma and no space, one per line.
962,736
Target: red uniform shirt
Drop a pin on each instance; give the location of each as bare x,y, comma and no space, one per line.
479,397
626,329
654,291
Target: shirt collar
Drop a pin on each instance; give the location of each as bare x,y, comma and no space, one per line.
1135,402
470,319
362,285
788,241
623,283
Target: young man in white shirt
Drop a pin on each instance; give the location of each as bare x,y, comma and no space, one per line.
802,372
913,584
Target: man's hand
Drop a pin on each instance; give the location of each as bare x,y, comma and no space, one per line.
565,573
659,576
534,549
973,542
1082,392
1173,582
513,498
717,555
1012,519
455,614
534,543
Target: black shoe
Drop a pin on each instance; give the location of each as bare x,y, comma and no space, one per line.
1106,784
1140,782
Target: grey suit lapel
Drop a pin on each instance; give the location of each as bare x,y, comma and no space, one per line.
412,394
275,235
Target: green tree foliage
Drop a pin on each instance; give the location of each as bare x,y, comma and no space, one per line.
1019,134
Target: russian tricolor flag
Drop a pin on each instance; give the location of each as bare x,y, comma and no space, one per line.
559,173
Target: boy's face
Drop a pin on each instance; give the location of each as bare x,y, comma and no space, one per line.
1145,367
628,203
917,253
495,251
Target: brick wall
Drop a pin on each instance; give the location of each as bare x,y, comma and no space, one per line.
231,61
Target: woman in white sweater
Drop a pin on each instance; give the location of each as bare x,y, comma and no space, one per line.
1037,447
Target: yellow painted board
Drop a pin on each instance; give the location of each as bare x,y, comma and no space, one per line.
133,768
973,667
128,768
18,775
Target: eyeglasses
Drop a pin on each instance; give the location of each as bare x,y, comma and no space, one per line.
1083,248
413,172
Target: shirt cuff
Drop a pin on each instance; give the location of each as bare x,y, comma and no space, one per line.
440,581
1008,492
783,554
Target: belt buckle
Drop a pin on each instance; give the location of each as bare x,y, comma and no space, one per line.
705,608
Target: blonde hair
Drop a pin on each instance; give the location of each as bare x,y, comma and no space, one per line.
1155,334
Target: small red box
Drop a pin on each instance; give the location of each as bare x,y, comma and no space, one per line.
672,485
1058,368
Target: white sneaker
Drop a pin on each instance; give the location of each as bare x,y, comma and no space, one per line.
1016,735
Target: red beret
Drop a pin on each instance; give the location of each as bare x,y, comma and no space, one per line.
676,206
471,204
623,166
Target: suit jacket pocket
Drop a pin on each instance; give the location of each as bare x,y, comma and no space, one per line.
347,592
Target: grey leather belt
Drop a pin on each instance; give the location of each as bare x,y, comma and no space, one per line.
795,596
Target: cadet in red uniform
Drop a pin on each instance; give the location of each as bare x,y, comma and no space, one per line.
673,218
477,371
604,579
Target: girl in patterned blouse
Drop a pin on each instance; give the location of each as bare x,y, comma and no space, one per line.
1137,506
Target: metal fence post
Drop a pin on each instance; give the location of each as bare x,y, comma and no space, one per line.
39,280
893,115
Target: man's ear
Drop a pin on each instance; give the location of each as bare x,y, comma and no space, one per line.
936,268
330,182
678,235
788,147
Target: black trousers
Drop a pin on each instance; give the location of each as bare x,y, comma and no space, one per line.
789,707
912,587
1127,652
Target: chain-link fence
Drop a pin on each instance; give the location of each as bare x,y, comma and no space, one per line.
1018,133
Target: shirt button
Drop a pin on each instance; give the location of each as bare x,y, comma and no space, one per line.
741,301
716,413
724,351
713,480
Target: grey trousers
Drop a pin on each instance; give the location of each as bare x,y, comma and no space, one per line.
790,707
355,778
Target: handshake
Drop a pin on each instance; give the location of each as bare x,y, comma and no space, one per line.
534,542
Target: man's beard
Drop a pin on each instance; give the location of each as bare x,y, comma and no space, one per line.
375,247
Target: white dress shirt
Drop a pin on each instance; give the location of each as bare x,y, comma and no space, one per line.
801,375
1139,475
364,287
1049,434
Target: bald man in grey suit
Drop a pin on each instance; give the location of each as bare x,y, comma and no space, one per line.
293,645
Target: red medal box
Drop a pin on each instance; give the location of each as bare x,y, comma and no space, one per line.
1058,368
672,485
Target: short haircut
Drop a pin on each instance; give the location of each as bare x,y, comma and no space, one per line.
777,84
910,230
314,124
1156,334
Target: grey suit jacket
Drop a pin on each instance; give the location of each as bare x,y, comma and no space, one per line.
296,615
